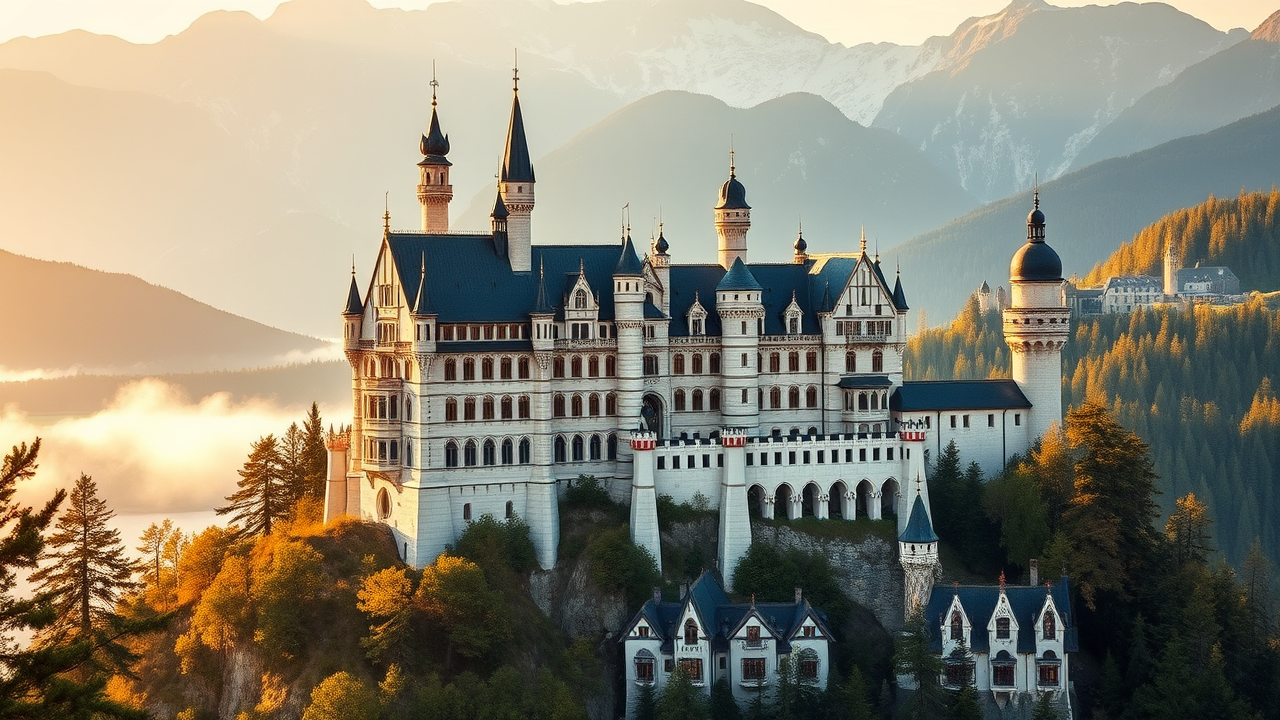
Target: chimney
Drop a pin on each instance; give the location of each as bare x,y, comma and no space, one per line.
799,595
657,596
1033,567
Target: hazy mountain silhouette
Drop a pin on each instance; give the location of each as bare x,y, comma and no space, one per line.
1023,91
1090,211
797,155
1236,83
58,316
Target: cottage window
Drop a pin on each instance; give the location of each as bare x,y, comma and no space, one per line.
691,633
644,663
753,669
1002,676
1050,626
957,625
692,668
1048,675
1002,628
753,636
808,665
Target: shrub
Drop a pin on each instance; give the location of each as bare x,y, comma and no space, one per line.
618,564
585,491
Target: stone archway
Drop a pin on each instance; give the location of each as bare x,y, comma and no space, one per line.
836,503
783,500
890,493
757,503
809,505
866,500
651,415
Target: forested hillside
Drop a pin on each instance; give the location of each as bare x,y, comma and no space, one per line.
1242,233
1196,384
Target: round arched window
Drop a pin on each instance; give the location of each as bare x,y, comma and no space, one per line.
384,504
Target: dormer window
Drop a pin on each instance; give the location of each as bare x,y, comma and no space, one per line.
957,625
753,636
791,316
580,299
1002,628
690,632
1050,625
697,316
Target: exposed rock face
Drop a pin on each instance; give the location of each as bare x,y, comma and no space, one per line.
241,682
868,571
1269,30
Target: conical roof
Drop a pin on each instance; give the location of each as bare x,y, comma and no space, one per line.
516,164
499,208
899,297
629,262
541,305
919,528
738,278
355,306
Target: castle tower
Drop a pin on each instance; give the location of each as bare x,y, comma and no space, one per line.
738,302
336,503
1036,325
628,307
801,248
1170,271
733,219
515,181
644,500
735,518
660,261
434,190
918,555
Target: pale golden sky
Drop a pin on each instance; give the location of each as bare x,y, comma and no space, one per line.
847,21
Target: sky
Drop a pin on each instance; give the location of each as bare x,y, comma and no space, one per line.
906,22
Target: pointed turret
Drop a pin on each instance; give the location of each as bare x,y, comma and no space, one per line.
422,303
918,553
498,224
628,262
919,526
733,218
542,305
352,314
738,278
355,306
515,181
434,190
899,297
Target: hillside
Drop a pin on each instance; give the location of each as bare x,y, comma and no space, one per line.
1238,82
1196,385
1024,90
61,317
798,157
1091,211
1242,233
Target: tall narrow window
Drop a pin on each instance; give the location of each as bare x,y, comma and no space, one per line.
508,452
793,398
957,625
811,361
523,407
811,397
612,446
690,632
557,367
610,366
557,406
560,449
506,408
775,398
505,368
714,364
578,448
877,361
596,447
775,362
468,369
697,400
1002,628
469,409
1050,626
593,405
469,453
486,369
850,362
793,362
679,401
489,453
677,364
524,451
450,410
576,367
714,399
696,362
450,369
593,366
610,404
451,454
576,405
488,408
524,368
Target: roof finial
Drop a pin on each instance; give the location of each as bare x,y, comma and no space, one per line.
1035,197
582,268
1001,582
732,167
386,212
917,484
863,246
515,70
422,268
353,265
434,83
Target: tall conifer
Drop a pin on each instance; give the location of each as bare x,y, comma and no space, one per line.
261,500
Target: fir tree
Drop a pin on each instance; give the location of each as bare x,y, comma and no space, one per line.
723,706
646,703
965,706
914,658
1045,709
852,701
261,499
85,568
315,458
293,475
154,540
680,700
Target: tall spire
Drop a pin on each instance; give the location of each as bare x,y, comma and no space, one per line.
386,217
435,144
862,248
516,164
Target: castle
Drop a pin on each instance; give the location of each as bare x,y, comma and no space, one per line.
489,371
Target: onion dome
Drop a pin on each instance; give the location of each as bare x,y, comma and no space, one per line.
662,245
800,246
733,196
1036,261
435,144
738,278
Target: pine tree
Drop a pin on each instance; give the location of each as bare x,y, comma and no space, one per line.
261,499
85,569
1045,709
315,458
723,706
914,658
965,705
646,703
852,701
154,539
1188,530
680,700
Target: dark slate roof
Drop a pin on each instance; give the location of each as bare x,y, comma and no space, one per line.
1205,273
958,395
435,144
919,529
354,305
628,262
733,196
1142,282
864,381
499,207
721,618
980,602
651,312
738,278
899,296
516,163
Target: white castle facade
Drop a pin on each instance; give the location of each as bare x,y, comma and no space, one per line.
488,371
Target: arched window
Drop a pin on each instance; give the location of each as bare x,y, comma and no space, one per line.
469,409
610,404
793,325
488,408
578,448
775,362
596,447
650,364
793,361
714,363
715,399
486,369
469,454
875,401
793,398
811,397
862,401
593,366
1050,626
593,405
610,366
775,398
524,368
511,510
811,361
644,667
580,300
384,504
611,447
466,511
850,362
560,449
557,367
575,366
679,401
697,400
508,452
506,407
468,369
450,410
490,453
957,625
504,369
877,361
576,406
523,407
524,451
451,454
408,407
450,369
677,364
697,363
557,405
807,665
690,632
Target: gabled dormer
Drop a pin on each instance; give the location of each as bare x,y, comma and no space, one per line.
809,625
697,316
956,629
1003,628
1050,629
793,316
581,308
